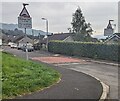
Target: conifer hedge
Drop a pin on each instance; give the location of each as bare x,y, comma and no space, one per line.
86,49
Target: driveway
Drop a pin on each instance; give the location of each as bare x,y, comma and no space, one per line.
73,80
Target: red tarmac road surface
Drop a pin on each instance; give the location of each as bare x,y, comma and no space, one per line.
57,59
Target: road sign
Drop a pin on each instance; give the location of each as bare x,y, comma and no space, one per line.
24,19
24,22
109,30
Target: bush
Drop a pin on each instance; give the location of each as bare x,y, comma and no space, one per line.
86,49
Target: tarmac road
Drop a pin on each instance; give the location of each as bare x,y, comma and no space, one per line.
74,85
106,73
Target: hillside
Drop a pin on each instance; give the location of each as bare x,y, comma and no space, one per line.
6,26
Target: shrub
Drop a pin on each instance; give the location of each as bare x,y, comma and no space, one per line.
86,49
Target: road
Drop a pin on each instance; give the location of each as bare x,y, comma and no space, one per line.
106,73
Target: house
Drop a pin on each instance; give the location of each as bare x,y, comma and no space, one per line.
19,39
36,39
66,37
6,38
25,40
113,39
11,38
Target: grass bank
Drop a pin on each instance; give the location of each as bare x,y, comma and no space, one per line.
20,76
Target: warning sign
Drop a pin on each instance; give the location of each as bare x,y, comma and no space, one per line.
24,19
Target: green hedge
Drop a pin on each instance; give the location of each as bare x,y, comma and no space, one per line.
86,49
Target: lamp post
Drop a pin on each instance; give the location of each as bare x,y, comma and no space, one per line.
33,36
46,30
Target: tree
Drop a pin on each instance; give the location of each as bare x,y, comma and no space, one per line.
80,27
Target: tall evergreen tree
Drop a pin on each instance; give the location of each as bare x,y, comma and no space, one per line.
80,27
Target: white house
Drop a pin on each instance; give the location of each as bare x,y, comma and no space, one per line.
113,39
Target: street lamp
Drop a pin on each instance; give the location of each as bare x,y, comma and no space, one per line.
46,30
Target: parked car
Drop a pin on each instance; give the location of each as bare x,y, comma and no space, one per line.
37,46
10,43
29,48
14,45
20,46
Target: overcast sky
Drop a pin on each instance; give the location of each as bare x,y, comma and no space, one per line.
59,14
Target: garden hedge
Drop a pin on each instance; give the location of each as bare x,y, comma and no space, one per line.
86,49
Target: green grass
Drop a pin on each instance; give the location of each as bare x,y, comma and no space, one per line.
20,76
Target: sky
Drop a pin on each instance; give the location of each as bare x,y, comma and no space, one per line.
59,14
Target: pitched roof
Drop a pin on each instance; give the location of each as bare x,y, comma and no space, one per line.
12,37
17,38
36,37
118,34
57,37
6,37
112,36
25,39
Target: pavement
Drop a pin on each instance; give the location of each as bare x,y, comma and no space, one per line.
73,85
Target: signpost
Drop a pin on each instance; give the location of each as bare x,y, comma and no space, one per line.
25,21
109,30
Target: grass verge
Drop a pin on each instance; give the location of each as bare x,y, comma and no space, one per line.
20,76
